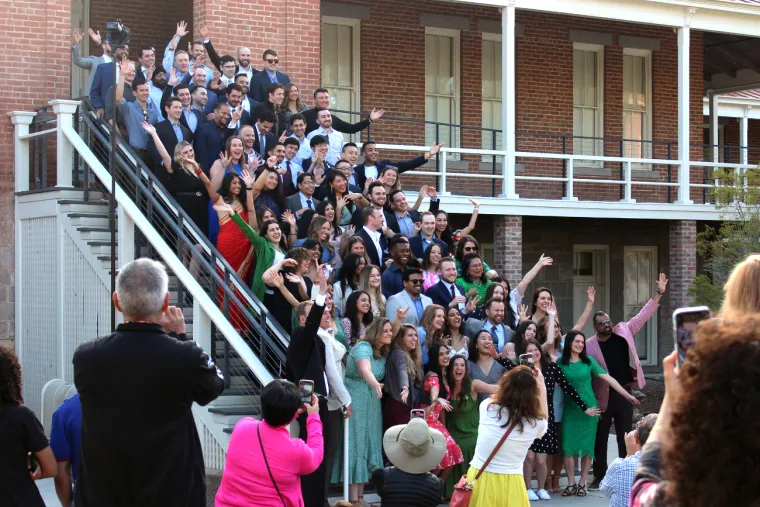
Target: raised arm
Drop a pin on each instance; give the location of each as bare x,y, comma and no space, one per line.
473,220
530,275
169,51
119,92
581,322
420,197
203,31
273,278
256,240
76,58
165,158
481,387
641,318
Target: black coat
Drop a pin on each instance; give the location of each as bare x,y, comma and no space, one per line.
169,139
407,165
208,142
369,247
441,295
306,352
400,489
140,445
310,115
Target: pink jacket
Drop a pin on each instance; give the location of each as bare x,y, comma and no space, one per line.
246,482
627,330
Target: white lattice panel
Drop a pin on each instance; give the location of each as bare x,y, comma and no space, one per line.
213,453
86,305
39,330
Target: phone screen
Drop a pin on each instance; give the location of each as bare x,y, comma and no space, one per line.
417,413
305,390
686,321
527,360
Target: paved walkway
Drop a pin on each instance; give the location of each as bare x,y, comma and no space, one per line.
594,498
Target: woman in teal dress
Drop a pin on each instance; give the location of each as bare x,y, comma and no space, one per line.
364,372
578,428
462,421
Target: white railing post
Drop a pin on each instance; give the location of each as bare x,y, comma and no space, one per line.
64,110
442,165
508,98
126,240
345,458
569,184
684,44
202,328
21,121
628,192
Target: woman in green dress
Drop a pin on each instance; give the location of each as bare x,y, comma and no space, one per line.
364,372
578,428
474,276
462,421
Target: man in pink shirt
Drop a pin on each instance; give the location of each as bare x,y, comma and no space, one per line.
615,351
264,464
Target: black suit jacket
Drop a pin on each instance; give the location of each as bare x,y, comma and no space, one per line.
415,244
208,143
369,247
407,165
168,138
201,119
441,295
269,141
257,88
102,82
392,221
306,352
341,126
157,460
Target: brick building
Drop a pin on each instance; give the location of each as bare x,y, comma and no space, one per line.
621,83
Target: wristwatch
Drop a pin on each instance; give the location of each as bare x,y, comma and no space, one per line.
657,292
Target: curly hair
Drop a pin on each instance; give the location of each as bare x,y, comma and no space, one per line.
717,415
10,377
518,393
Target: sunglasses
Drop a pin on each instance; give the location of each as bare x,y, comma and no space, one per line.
415,281
604,322
470,249
276,60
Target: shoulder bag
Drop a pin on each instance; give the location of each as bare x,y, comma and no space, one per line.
258,432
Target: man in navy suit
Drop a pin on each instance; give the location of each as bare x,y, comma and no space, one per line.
169,131
234,97
103,81
267,76
426,238
375,243
262,130
322,101
372,166
446,292
210,137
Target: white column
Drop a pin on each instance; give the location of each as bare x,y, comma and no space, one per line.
684,34
743,139
126,240
508,98
21,121
65,110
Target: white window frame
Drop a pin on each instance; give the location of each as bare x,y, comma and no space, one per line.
599,49
583,280
456,57
493,37
647,55
356,57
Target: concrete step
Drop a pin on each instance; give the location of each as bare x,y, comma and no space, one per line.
229,416
79,219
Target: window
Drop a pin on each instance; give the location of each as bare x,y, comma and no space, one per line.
587,100
442,85
341,65
637,102
639,275
491,91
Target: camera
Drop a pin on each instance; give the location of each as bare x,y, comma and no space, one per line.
118,34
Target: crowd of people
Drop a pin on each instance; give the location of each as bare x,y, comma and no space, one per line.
441,369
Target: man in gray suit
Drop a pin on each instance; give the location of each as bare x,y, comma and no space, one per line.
91,62
411,297
304,199
493,323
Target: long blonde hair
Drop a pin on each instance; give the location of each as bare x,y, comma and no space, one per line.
741,294
375,294
178,156
413,358
426,323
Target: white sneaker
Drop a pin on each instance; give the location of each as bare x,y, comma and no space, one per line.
543,495
532,495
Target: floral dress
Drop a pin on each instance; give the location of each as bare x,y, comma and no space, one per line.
453,454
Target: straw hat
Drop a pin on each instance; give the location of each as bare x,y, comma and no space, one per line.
414,447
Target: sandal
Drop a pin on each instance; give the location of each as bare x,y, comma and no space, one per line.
581,491
570,490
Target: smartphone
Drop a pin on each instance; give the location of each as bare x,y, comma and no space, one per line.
685,322
417,413
527,360
328,270
306,390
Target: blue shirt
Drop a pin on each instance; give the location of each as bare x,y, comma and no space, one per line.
134,117
392,281
422,336
497,331
405,225
177,131
66,433
155,94
191,118
272,76
618,480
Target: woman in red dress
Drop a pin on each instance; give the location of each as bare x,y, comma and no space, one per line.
231,242
435,385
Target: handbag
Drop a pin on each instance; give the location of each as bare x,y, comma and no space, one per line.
266,462
463,489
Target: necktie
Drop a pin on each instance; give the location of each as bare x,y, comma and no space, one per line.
453,292
493,333
309,204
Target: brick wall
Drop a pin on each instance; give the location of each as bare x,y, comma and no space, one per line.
290,27
508,247
150,23
34,34
683,260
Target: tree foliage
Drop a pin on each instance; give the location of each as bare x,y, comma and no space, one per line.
737,195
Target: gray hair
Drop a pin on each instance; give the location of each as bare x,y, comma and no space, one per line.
141,287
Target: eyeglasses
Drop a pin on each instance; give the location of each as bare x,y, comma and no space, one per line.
604,322
470,249
275,60
415,281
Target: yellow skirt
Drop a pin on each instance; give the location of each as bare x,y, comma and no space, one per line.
498,490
